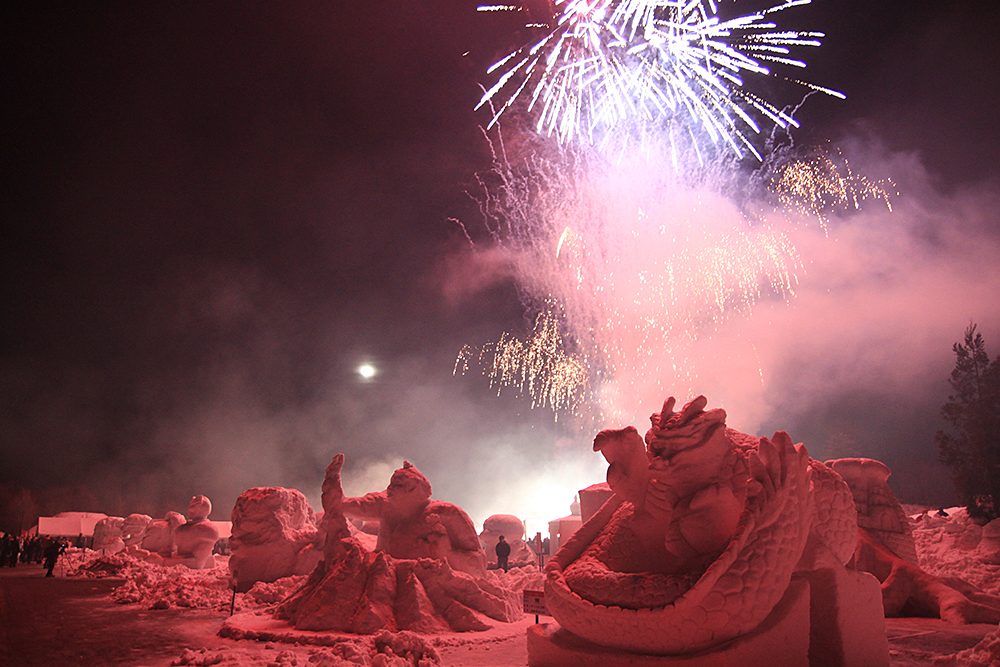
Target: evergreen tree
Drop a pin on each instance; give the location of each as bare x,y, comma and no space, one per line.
972,450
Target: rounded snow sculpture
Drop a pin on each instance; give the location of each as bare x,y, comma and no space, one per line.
159,535
108,535
274,536
134,528
512,530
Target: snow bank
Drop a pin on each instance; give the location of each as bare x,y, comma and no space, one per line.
387,649
952,546
984,654
154,586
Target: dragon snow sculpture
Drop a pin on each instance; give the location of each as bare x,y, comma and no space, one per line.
702,535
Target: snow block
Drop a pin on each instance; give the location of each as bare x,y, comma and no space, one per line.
846,617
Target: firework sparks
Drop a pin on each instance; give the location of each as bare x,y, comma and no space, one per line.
621,71
538,367
637,272
643,263
824,184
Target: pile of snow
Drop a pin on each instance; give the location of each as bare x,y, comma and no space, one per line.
519,578
984,654
953,546
157,587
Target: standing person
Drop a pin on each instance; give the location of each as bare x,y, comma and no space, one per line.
503,553
15,552
34,550
52,553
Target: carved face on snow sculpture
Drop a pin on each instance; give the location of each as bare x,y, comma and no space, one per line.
683,486
199,508
408,492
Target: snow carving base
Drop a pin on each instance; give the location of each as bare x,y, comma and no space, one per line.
783,637
423,575
713,537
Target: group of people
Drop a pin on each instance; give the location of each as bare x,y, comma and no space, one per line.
13,550
34,550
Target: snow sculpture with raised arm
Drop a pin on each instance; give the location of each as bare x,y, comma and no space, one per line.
714,542
411,525
427,573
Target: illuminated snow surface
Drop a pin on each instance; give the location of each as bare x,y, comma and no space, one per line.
157,587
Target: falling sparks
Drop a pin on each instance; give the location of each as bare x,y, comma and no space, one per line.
631,72
637,272
819,186
538,366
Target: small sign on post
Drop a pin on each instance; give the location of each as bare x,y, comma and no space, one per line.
534,603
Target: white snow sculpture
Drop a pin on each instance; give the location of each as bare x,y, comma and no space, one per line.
411,525
159,535
717,546
274,536
108,535
134,528
886,549
195,540
418,578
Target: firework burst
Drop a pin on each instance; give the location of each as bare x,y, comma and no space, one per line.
627,72
632,264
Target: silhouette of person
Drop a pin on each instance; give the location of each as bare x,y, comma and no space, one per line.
5,548
15,552
503,553
52,553
12,551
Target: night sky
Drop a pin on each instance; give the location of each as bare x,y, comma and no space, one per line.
215,211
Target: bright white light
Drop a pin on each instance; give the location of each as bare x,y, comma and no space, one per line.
367,371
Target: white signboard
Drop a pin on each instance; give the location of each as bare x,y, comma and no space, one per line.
534,603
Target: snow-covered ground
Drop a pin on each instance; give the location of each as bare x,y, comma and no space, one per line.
942,545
